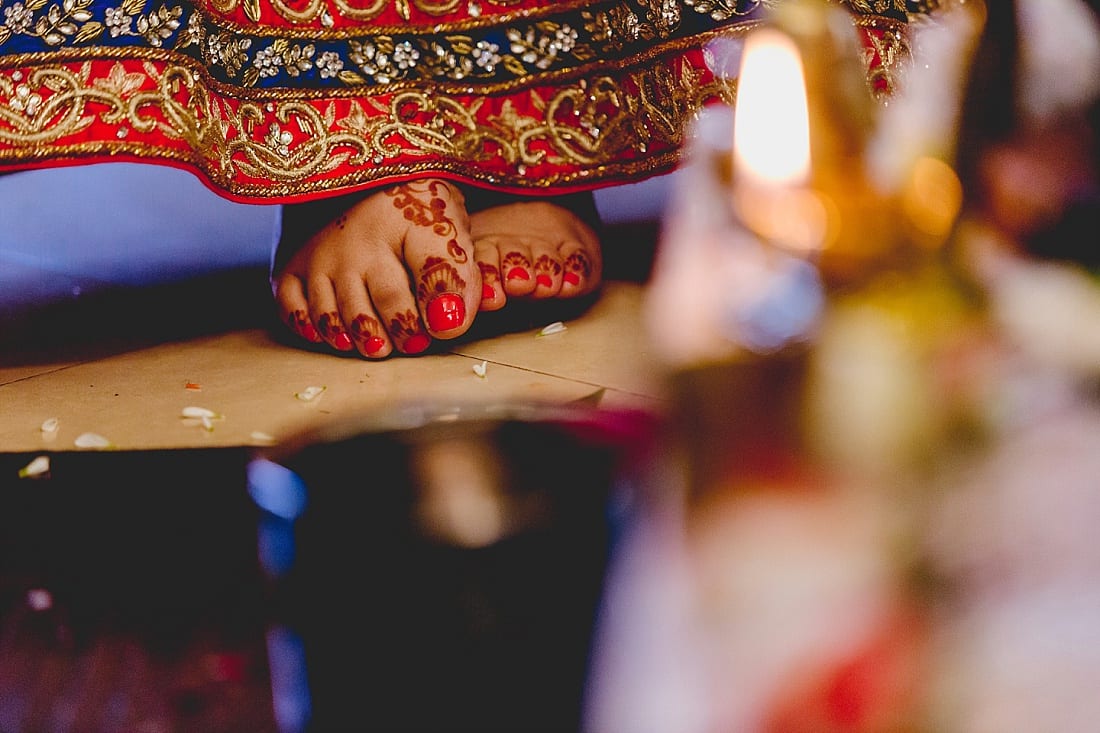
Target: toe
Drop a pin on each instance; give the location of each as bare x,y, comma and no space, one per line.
517,268
547,269
366,331
325,314
581,269
447,280
290,298
396,307
493,296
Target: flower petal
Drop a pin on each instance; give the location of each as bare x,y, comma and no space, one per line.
200,413
38,467
480,369
51,425
555,327
91,440
310,393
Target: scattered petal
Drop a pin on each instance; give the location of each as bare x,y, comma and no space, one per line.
51,425
91,440
207,424
555,327
38,467
309,393
198,413
193,386
480,369
261,437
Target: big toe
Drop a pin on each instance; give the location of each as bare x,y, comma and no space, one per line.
448,289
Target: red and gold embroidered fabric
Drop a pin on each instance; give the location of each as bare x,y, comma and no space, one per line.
283,100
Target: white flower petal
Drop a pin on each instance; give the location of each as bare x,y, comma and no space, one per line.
200,413
51,425
35,468
480,369
91,440
263,438
555,327
207,424
309,393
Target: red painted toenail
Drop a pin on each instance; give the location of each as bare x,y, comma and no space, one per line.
416,343
446,311
342,341
487,292
545,281
518,273
572,278
309,333
375,344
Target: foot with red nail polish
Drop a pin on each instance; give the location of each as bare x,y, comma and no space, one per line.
535,250
347,283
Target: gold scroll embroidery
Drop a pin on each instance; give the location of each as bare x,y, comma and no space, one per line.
296,145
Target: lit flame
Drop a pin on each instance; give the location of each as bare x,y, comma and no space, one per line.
771,146
772,119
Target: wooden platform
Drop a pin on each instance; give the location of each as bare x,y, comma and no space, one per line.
133,394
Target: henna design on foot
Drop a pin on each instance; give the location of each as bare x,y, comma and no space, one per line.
516,266
367,331
544,268
490,276
433,213
299,322
332,330
405,328
439,277
440,291
577,267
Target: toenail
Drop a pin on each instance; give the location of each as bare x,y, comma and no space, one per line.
487,292
375,344
342,341
446,311
309,333
416,343
518,273
545,281
572,278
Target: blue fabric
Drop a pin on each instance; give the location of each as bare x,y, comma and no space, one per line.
120,224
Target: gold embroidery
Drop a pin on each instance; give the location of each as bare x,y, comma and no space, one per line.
296,145
877,6
60,23
890,44
315,9
726,9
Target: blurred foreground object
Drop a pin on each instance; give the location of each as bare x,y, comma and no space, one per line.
1030,149
820,317
439,568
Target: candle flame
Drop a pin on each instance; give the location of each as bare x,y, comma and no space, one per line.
771,118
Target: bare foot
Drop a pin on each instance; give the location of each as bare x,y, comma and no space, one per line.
391,273
534,249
